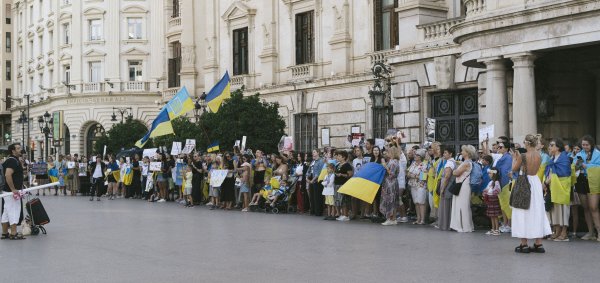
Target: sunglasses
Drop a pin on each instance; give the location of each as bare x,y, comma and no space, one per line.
500,147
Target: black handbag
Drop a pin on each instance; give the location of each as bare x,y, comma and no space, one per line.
455,188
520,196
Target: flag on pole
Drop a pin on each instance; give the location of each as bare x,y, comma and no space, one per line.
160,127
180,104
213,147
218,93
365,183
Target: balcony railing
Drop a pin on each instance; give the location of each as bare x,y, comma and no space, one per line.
135,86
167,94
306,71
474,7
380,56
93,87
175,22
438,30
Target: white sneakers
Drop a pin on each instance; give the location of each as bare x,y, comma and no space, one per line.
588,237
505,229
389,222
161,200
343,218
402,219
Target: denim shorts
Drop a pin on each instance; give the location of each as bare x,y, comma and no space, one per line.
244,188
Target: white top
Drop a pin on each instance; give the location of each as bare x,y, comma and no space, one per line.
402,171
98,171
328,184
145,168
450,163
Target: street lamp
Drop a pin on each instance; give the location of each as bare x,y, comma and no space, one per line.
45,122
200,106
22,120
381,96
122,111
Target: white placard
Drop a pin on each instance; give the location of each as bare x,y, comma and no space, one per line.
104,152
70,165
150,152
190,144
380,143
237,143
155,166
325,136
82,169
128,159
244,143
176,149
486,132
217,177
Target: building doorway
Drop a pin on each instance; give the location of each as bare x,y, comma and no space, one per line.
457,118
94,133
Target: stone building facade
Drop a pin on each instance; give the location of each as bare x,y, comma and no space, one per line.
6,67
86,58
468,64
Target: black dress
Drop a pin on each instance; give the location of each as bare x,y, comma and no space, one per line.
228,189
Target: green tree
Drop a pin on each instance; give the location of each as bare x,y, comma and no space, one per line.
246,116
121,135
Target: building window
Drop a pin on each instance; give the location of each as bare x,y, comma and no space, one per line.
67,74
386,24
8,98
66,33
50,40
305,38
175,9
8,70
175,65
135,71
95,29
50,78
240,51
306,132
134,28
31,84
8,42
8,11
95,72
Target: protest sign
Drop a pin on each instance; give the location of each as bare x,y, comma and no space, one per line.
243,143
82,169
179,171
217,177
190,144
70,165
155,166
150,152
176,149
380,143
39,168
486,132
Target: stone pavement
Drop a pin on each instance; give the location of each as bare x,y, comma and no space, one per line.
136,241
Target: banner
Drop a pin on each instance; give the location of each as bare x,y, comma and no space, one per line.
217,177
179,171
39,168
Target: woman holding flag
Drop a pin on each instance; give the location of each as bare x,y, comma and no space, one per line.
558,180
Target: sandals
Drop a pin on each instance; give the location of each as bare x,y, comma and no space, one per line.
18,236
4,236
522,249
538,249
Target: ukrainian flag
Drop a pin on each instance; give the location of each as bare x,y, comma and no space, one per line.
180,104
218,93
53,175
365,184
213,147
128,178
160,127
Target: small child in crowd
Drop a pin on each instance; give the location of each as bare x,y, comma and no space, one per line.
490,196
328,191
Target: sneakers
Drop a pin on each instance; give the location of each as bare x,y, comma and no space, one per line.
489,233
344,218
245,210
505,229
588,237
402,219
389,222
161,200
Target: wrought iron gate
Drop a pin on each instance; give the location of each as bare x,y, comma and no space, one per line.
456,118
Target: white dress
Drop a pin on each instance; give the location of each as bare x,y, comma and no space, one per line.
461,219
531,223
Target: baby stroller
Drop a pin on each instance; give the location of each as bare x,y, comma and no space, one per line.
274,197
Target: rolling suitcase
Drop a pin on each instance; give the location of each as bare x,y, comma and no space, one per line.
38,214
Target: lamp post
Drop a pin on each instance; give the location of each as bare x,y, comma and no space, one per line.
45,122
23,120
122,111
381,97
200,107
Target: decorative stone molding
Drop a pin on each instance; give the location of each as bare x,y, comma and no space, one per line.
239,11
135,52
94,53
134,9
94,12
188,55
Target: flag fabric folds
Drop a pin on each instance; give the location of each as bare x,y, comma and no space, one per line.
218,93
365,184
180,104
160,127
213,147
53,175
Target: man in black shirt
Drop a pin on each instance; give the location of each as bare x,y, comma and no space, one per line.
197,178
12,208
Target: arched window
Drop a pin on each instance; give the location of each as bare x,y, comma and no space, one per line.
94,133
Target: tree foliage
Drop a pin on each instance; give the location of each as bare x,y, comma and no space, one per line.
121,136
246,116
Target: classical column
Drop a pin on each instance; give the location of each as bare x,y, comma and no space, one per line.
524,106
496,98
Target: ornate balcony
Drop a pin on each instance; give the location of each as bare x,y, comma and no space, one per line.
438,30
93,87
135,86
303,72
474,7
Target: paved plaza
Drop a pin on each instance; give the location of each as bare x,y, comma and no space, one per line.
136,241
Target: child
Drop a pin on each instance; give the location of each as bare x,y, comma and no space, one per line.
490,196
187,177
328,191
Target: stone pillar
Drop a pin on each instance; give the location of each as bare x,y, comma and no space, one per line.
341,40
496,97
524,105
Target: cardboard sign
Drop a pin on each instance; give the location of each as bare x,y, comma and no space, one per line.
155,166
82,169
243,143
217,177
358,139
176,149
150,152
380,143
486,132
39,168
190,144
70,165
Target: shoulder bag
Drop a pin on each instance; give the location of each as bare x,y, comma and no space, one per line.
455,188
520,197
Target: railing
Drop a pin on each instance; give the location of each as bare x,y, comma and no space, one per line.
439,30
237,80
169,93
380,56
174,22
92,87
474,7
135,86
305,71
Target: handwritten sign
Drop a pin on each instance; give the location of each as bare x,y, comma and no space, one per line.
217,177
155,166
70,165
190,144
176,149
39,168
150,152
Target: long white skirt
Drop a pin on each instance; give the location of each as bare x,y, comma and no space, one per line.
462,219
531,223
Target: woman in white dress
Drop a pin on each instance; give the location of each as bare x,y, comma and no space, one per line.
461,219
530,223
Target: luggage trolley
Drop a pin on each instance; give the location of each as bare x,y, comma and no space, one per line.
38,215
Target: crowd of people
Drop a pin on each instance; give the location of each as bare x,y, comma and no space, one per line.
431,185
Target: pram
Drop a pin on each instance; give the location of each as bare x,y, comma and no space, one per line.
281,196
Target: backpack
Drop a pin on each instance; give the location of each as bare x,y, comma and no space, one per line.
476,175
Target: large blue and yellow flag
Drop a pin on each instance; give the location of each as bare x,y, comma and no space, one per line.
214,146
218,93
53,175
365,184
160,127
180,104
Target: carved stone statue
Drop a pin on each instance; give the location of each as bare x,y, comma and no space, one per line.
267,35
339,18
188,55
